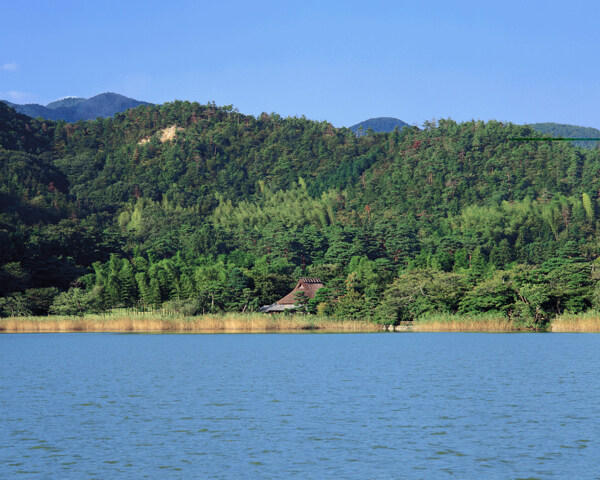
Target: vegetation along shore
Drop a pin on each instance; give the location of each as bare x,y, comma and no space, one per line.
260,323
205,212
231,323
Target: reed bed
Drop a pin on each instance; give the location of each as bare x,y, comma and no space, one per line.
464,323
587,322
226,323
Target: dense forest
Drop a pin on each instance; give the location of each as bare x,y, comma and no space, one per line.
199,208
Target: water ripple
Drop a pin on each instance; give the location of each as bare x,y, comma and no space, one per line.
306,406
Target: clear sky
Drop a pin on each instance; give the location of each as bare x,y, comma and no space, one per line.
342,61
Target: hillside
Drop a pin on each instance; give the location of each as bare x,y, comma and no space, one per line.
569,131
208,209
378,124
72,109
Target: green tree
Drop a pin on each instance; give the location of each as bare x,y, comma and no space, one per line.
418,292
15,305
76,301
127,283
154,295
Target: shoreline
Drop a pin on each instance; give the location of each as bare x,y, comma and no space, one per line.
150,323
588,322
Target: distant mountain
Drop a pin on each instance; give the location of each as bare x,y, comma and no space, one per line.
379,124
574,131
66,102
32,110
73,109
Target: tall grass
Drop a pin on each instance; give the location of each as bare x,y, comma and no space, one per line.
257,322
445,322
232,322
582,322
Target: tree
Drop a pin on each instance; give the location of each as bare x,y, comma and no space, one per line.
76,301
15,305
418,292
496,294
127,284
154,296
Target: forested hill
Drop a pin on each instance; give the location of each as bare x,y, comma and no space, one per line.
569,131
73,109
202,208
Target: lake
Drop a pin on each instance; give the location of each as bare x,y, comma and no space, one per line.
321,406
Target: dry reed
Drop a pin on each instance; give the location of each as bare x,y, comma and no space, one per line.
587,322
464,323
226,323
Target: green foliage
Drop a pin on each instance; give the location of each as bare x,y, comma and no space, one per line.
495,294
76,301
418,292
294,208
187,307
588,206
15,305
204,209
40,299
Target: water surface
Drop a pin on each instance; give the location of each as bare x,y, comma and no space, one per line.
343,406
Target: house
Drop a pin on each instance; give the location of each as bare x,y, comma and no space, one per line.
308,286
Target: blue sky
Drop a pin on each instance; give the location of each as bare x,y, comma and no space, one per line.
342,61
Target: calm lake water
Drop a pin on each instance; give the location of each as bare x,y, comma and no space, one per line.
347,406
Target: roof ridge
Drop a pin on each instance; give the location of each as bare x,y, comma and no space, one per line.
310,280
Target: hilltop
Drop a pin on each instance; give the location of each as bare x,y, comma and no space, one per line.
379,124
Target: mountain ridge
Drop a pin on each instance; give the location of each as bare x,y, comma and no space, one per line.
73,109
